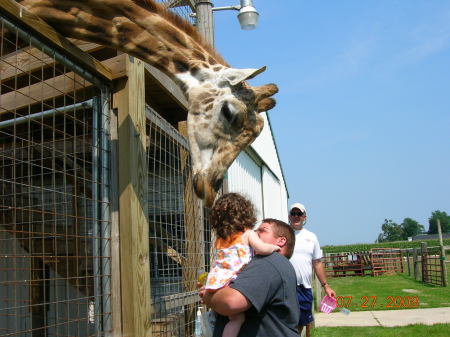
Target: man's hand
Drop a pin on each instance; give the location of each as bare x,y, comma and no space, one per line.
330,292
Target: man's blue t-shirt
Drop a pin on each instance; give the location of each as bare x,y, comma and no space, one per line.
269,283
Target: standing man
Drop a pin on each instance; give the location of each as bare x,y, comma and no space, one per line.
264,290
306,257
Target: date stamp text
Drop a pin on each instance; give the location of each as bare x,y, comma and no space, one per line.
375,302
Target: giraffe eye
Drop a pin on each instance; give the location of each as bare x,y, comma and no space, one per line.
225,111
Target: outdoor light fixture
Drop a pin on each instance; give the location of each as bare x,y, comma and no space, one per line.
248,15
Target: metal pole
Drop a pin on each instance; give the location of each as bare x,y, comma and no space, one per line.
53,112
205,20
95,225
105,226
441,244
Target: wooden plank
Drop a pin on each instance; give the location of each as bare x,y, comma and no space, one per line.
134,240
176,301
35,93
168,85
29,59
40,28
55,86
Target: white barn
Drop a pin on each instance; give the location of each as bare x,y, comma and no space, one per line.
257,173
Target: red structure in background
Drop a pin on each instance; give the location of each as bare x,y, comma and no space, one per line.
385,260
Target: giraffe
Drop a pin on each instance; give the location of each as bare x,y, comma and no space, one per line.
223,109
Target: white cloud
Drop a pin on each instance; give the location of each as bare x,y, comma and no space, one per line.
344,64
428,40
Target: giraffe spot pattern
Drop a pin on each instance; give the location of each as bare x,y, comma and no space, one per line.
211,61
198,55
209,100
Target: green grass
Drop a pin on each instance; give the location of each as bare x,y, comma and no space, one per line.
416,330
375,291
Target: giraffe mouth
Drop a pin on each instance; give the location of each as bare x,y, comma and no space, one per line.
205,188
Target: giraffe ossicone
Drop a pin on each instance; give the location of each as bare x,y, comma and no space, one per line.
223,116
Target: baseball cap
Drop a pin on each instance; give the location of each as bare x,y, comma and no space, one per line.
301,207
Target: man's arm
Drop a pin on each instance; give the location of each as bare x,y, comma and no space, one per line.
320,272
226,301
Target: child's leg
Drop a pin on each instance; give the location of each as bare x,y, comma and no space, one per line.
234,325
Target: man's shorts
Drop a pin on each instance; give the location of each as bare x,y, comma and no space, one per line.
305,300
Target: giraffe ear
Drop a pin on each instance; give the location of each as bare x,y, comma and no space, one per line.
236,76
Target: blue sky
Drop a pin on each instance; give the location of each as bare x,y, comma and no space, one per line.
362,121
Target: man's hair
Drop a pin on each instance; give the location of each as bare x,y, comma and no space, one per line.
232,213
282,229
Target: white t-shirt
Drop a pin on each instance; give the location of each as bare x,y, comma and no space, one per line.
306,249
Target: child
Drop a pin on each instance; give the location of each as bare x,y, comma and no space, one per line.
232,219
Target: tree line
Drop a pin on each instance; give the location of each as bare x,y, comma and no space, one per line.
392,231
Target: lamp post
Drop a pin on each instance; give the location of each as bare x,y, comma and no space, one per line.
248,16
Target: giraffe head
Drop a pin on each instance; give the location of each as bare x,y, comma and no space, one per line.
223,119
223,115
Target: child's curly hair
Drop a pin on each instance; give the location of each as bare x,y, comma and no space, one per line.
232,213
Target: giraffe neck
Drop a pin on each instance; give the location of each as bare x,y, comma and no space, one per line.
143,29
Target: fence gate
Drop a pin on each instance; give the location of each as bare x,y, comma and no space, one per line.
432,266
385,260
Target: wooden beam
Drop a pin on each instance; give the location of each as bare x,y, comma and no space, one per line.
194,229
47,34
168,85
29,59
56,86
134,241
38,92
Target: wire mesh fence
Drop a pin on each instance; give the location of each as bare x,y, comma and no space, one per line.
55,202
53,208
179,231
182,8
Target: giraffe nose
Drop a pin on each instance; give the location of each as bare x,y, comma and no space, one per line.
217,184
199,185
205,189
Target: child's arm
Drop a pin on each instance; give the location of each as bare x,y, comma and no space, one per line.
260,247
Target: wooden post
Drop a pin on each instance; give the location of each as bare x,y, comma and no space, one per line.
205,19
424,253
407,262
129,99
193,227
443,266
415,263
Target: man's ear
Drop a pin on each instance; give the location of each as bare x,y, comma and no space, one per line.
281,241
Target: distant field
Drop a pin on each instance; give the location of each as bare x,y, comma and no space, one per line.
437,330
367,246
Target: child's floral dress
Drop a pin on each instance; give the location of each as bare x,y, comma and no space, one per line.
230,258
